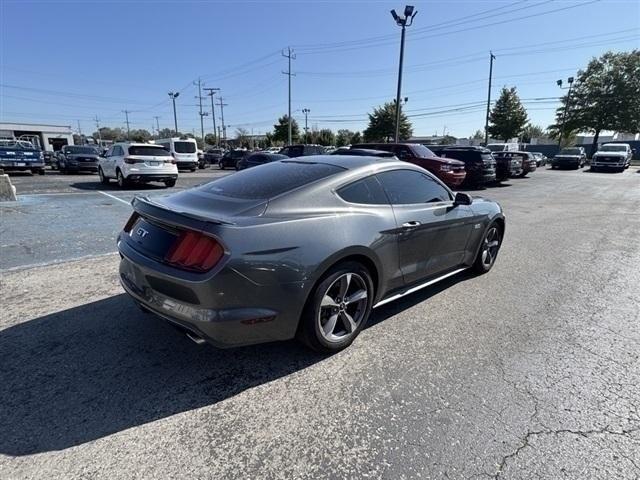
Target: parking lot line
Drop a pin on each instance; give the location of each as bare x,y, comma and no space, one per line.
56,262
114,197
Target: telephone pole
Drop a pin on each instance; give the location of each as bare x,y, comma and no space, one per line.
224,125
289,55
157,125
211,93
126,115
202,114
306,128
97,120
486,121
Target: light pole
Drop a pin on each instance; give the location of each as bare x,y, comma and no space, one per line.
402,21
306,128
566,108
173,96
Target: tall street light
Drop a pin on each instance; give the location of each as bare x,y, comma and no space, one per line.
566,108
402,21
173,96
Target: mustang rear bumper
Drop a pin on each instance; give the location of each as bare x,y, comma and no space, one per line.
227,310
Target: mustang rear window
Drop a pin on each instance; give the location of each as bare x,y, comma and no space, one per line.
270,180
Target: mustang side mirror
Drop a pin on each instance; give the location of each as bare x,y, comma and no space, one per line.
462,199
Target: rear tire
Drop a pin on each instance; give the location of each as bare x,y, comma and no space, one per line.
489,249
338,308
170,183
122,182
221,165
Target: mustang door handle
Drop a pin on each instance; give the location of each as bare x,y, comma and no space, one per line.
410,225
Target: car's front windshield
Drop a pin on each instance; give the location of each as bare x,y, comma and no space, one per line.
613,148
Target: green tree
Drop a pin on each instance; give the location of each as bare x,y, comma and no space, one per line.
478,136
531,131
382,124
605,96
281,130
508,117
113,134
343,137
210,139
168,133
325,137
140,135
356,138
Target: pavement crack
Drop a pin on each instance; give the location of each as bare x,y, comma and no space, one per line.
564,431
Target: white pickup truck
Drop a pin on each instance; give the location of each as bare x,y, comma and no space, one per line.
612,155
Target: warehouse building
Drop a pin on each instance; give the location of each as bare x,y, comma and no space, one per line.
46,137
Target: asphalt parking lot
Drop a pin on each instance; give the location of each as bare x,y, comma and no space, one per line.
531,371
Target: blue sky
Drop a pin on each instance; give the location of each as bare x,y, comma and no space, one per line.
61,62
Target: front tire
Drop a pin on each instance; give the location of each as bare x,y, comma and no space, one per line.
221,165
338,308
170,183
489,249
104,180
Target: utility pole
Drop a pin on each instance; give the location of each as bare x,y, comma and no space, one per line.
80,132
492,57
306,128
219,136
224,125
157,125
202,114
97,120
290,56
173,96
126,115
212,92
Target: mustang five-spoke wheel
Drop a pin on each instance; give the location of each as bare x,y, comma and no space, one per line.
488,249
338,309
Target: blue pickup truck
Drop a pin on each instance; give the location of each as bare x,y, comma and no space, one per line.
20,155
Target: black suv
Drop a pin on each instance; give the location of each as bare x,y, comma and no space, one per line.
478,163
231,159
302,150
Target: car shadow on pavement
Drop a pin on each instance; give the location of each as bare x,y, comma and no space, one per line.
112,186
84,373
87,372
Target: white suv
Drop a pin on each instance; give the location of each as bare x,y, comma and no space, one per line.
137,162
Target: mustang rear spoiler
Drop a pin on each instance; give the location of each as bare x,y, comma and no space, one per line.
146,206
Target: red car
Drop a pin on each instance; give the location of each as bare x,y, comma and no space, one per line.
451,172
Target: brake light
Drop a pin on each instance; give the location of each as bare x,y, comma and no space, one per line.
194,251
129,160
131,222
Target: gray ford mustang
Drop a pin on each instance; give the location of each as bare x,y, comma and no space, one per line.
301,248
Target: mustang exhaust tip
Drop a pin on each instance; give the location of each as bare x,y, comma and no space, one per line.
195,338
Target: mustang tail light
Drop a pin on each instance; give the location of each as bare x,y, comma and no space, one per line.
194,251
131,222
